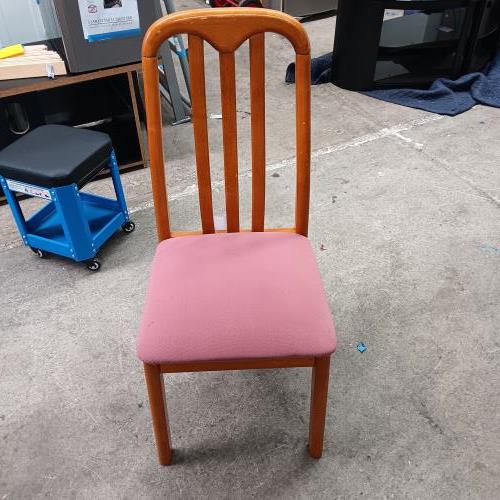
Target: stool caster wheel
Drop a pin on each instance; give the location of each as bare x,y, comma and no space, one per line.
128,227
38,252
93,265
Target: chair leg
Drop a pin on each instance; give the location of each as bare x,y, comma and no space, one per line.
319,397
156,392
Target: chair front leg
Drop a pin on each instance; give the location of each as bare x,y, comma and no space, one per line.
319,398
157,404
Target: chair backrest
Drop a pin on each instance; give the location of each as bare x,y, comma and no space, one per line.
226,29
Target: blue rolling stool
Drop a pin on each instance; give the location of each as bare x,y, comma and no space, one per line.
53,162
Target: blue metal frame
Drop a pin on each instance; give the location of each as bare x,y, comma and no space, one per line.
72,224
16,209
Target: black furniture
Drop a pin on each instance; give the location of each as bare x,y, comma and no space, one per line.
427,39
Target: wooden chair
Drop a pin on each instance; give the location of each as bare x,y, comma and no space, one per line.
232,300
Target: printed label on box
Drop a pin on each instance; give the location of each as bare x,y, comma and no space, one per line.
106,19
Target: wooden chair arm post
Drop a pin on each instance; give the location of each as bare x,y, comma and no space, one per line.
303,141
156,162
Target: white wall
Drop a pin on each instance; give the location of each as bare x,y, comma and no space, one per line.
20,22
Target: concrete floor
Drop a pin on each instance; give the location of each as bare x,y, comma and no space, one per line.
405,221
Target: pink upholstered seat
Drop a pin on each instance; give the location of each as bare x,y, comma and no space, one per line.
235,296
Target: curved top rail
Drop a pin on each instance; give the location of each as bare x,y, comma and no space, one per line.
225,29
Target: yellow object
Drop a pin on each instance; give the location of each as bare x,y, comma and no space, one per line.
11,51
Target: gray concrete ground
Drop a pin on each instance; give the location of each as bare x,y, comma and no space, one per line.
405,221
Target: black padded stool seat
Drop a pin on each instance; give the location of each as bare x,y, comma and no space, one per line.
56,155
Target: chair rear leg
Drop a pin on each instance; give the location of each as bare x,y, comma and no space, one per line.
319,397
156,392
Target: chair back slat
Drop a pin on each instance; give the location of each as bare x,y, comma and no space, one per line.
226,29
199,118
229,139
258,122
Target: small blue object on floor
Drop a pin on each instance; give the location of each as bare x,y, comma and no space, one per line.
444,96
54,162
361,347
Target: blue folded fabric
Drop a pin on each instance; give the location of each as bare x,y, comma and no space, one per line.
450,97
321,70
444,96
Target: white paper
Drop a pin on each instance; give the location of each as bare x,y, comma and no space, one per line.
105,19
